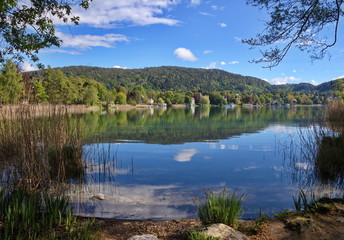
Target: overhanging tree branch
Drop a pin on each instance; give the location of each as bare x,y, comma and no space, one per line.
296,23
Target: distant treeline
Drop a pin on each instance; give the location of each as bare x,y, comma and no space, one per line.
170,85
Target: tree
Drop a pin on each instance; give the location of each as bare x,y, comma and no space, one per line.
11,85
27,26
339,89
38,92
91,95
120,98
204,100
297,23
58,87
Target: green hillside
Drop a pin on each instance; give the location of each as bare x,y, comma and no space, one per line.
181,79
176,79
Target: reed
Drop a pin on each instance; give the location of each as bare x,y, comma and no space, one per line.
221,207
305,203
36,153
334,115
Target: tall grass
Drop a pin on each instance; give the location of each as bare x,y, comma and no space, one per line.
36,153
199,235
221,207
34,216
335,115
316,153
304,202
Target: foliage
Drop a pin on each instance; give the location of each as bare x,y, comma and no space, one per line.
204,100
297,23
11,85
176,79
198,235
120,98
27,27
221,207
31,216
339,88
55,87
284,214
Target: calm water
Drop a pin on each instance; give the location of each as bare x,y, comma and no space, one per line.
154,164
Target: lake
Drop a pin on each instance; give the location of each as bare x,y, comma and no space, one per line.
157,163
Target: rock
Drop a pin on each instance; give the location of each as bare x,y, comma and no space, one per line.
224,232
99,196
143,237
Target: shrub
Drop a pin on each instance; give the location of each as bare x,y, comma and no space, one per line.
221,207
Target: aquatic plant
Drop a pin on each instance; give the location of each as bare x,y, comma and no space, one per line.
334,115
304,203
221,207
36,152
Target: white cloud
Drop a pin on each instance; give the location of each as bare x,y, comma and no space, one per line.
223,25
111,14
314,82
117,66
185,155
284,80
238,39
215,7
223,63
88,41
340,77
212,65
185,54
207,51
294,71
71,52
196,2
206,14
27,67
233,62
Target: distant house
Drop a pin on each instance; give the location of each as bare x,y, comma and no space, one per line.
150,101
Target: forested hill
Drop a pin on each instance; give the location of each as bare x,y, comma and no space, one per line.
170,78
181,79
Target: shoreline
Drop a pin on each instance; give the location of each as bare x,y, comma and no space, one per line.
321,224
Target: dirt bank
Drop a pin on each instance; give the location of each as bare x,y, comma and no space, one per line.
327,223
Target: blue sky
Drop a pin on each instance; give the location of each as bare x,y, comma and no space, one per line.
186,33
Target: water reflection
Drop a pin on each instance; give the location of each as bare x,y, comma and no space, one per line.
153,163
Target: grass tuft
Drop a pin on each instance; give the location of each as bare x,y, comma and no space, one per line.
221,207
199,235
32,216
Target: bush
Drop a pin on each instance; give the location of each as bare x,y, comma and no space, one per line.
221,207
